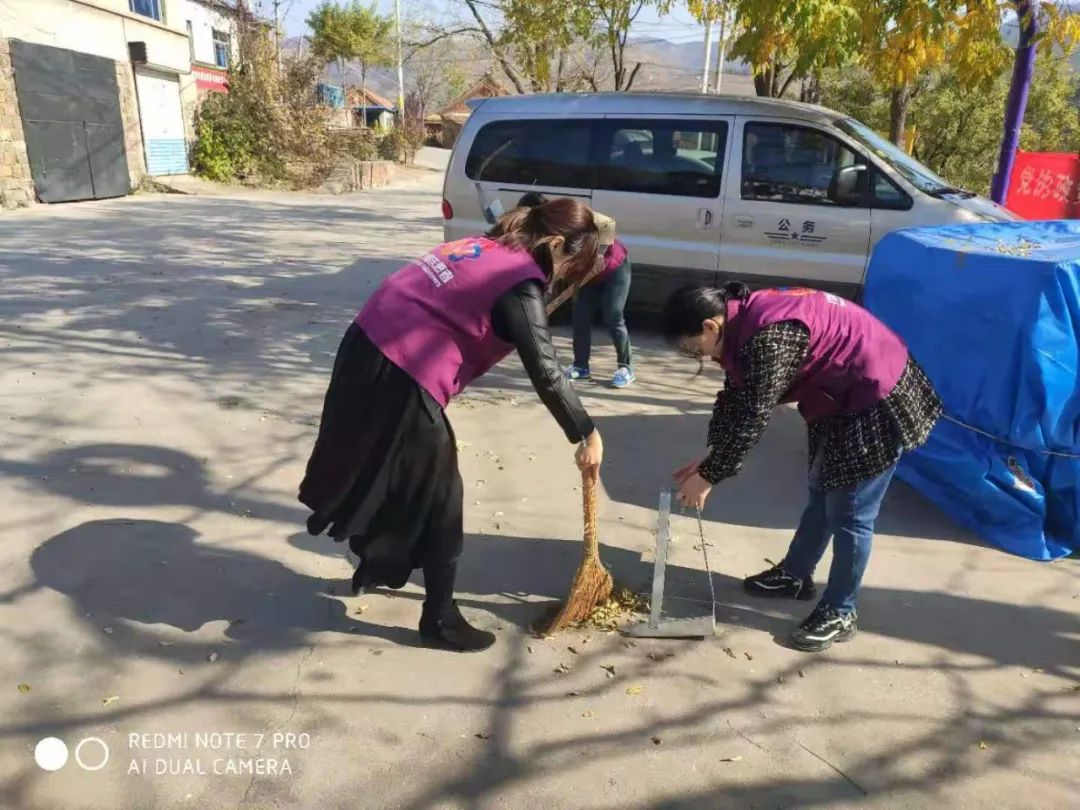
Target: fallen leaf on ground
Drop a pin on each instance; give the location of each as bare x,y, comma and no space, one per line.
983,746
165,643
802,674
529,650
658,656
360,609
108,631
482,735
749,657
571,649
111,699
586,714
24,688
212,657
635,690
562,669
731,759
573,694
780,679
656,740
730,653
610,670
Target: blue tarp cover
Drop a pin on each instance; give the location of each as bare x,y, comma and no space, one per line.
992,312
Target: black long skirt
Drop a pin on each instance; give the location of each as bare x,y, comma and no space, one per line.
384,471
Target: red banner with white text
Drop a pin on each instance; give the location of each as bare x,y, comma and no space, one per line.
1045,185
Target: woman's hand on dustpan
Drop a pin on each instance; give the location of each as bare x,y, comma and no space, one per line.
590,453
683,474
693,492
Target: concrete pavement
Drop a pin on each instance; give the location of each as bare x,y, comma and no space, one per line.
162,369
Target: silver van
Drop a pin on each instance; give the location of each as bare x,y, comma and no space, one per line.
705,188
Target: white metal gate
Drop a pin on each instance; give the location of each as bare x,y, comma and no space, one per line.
162,116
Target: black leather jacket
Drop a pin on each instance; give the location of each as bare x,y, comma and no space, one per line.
518,318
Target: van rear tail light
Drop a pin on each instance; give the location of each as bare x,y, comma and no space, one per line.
447,209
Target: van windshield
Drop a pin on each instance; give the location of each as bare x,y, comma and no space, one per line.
903,163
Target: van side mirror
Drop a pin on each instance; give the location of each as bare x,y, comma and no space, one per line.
848,186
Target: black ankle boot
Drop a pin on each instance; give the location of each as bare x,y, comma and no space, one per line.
447,629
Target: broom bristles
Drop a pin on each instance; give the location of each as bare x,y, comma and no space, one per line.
592,583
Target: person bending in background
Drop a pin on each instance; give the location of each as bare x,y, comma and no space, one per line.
865,400
607,293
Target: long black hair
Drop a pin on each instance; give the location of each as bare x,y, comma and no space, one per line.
688,308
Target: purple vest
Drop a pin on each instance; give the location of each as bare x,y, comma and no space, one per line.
432,318
853,360
614,256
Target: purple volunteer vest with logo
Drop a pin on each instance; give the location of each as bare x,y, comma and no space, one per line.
432,318
614,256
853,360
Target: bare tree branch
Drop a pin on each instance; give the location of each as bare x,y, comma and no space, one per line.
500,56
452,32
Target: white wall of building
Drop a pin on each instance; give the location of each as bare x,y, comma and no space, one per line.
98,27
204,21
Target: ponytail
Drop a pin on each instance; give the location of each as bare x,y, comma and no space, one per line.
530,228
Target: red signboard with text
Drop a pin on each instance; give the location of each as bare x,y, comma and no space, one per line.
1045,185
210,80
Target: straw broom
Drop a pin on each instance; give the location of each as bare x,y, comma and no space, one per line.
592,583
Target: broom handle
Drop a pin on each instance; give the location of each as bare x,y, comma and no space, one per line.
589,479
565,295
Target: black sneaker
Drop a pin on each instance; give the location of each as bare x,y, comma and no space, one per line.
822,627
779,584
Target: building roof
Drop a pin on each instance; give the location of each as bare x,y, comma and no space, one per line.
485,87
373,99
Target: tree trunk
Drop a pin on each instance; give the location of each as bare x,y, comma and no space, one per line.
899,103
560,65
345,93
363,95
763,81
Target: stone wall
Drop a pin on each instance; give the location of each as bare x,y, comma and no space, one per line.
129,114
16,185
357,175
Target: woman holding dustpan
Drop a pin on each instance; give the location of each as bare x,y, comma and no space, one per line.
384,470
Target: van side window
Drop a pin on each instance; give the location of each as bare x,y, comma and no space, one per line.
648,156
793,164
887,195
541,152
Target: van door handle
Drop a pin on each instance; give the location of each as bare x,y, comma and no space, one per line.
744,221
705,218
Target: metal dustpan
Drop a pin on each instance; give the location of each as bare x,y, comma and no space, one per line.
657,626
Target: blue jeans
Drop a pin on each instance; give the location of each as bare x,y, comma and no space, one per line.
847,517
609,296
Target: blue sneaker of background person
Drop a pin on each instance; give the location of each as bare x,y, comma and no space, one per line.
578,373
623,377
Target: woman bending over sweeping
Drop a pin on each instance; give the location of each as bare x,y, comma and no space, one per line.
384,470
865,400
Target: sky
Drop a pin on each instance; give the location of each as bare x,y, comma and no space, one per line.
676,27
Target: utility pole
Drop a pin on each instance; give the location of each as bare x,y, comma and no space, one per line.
277,33
400,67
721,48
708,57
